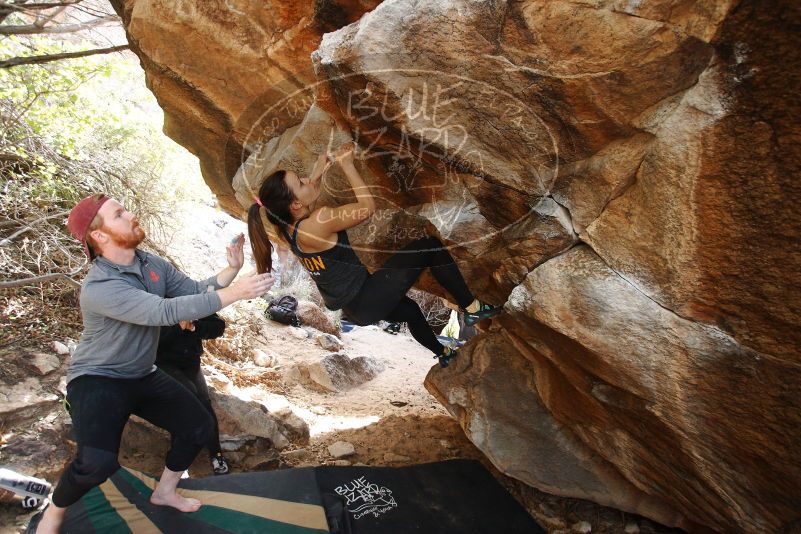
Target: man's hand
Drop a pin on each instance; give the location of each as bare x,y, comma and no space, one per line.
252,285
247,286
235,253
187,325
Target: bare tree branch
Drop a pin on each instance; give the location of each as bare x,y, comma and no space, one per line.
25,7
36,6
33,60
7,241
44,278
43,19
39,27
93,10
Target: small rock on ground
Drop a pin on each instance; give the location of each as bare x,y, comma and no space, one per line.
45,363
329,342
340,449
312,315
338,372
264,358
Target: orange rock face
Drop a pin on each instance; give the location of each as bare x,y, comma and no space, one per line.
216,66
624,175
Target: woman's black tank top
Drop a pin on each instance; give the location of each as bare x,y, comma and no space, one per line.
337,271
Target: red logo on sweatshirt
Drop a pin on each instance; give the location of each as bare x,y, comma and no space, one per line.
154,276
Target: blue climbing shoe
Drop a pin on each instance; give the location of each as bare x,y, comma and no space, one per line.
446,357
485,311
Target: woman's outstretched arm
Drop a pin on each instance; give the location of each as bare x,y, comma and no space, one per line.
364,198
330,220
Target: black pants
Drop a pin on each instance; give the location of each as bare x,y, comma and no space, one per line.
192,379
100,407
383,295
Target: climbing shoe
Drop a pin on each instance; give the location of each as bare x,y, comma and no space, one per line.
218,464
446,357
484,311
392,328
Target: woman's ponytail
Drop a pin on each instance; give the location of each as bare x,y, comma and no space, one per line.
259,241
274,198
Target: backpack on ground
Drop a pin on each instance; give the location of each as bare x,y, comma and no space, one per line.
283,310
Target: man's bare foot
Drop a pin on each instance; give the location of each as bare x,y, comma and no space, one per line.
51,520
165,494
183,504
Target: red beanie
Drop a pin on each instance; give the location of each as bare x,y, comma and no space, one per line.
81,218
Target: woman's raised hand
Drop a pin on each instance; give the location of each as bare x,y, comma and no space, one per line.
344,154
320,167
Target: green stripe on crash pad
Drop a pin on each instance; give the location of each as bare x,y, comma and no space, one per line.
230,520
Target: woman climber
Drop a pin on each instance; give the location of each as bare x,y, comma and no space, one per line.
318,239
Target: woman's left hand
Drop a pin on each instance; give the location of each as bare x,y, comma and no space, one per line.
344,154
235,253
321,166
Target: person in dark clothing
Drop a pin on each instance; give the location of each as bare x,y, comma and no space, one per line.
178,355
322,247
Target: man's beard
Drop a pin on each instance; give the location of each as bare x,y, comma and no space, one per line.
126,241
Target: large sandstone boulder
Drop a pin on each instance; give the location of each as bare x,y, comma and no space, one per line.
611,372
624,175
